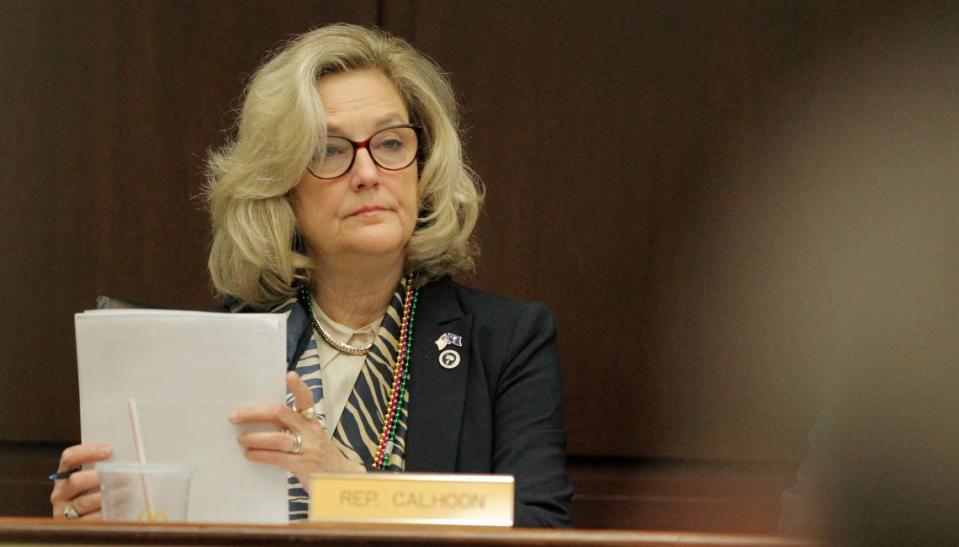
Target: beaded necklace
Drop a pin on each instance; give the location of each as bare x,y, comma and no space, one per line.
400,375
381,459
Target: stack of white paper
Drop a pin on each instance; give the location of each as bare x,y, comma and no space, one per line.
187,371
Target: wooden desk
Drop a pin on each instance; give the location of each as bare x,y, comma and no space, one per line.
51,531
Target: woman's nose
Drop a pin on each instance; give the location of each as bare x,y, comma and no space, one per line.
365,171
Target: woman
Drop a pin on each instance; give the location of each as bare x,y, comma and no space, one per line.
345,202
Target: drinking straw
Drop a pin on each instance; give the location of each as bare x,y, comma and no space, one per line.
141,454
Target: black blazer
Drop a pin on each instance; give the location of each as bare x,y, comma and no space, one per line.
499,411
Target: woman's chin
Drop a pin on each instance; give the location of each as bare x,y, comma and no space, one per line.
385,247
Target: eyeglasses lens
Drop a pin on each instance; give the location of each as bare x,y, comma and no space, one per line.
392,149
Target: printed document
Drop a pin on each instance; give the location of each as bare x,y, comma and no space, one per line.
187,371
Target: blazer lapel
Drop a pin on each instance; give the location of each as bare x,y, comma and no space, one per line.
437,393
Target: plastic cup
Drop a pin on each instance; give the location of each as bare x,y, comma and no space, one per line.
145,492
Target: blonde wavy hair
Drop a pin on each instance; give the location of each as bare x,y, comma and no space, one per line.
255,254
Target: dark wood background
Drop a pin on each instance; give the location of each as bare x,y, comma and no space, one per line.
656,172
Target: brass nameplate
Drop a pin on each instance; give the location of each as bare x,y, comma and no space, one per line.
412,498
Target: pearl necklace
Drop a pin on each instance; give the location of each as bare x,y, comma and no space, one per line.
306,298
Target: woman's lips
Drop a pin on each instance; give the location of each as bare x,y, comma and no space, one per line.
367,211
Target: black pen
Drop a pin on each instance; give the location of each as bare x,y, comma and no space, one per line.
59,475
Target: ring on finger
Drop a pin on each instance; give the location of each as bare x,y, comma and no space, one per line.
297,442
70,512
309,413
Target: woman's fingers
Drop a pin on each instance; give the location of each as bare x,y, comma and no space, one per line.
294,463
69,490
302,397
262,412
278,441
316,451
87,503
276,413
78,485
81,490
271,457
81,481
81,454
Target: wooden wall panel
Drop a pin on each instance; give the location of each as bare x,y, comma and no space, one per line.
688,495
646,178
24,486
643,175
108,109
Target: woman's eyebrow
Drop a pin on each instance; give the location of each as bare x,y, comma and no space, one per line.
392,119
381,122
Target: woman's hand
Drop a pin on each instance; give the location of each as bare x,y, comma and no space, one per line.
317,451
81,491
